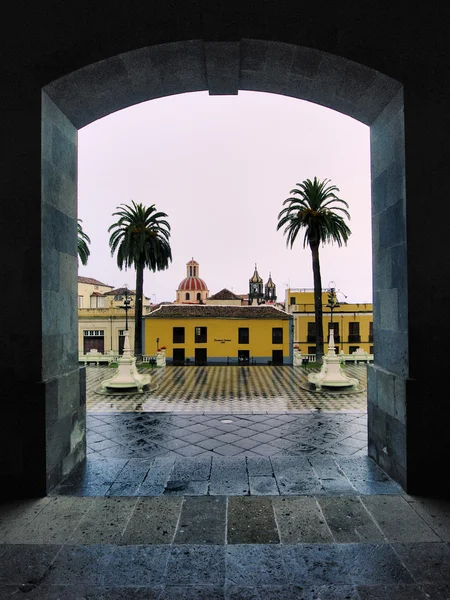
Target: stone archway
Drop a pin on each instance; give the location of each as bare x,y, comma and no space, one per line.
95,91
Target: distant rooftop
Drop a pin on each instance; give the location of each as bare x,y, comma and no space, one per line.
189,311
224,294
91,281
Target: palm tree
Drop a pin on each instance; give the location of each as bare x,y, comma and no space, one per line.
141,239
314,208
83,241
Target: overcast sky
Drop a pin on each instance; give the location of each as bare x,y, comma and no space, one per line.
221,167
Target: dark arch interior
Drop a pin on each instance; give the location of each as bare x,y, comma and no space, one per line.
65,67
83,96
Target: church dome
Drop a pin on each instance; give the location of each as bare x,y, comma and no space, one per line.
192,284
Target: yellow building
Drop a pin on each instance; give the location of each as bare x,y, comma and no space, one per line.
204,334
101,320
352,323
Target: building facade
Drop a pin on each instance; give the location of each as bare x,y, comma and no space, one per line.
220,334
102,320
352,323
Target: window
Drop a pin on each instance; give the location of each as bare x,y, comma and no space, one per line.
188,296
200,335
311,349
80,301
198,296
311,332
97,302
292,302
118,298
178,335
94,333
336,331
352,349
190,271
371,332
121,331
243,335
353,332
277,335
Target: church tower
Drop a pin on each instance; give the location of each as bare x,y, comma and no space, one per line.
255,288
270,294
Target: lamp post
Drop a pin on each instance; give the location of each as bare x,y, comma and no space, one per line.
126,305
332,302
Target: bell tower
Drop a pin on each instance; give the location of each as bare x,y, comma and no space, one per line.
270,294
255,288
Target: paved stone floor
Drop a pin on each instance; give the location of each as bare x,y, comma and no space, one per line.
244,390
388,547
221,504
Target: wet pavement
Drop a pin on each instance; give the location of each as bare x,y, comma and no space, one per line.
222,389
217,504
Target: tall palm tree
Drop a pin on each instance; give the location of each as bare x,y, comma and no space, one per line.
314,207
83,241
141,239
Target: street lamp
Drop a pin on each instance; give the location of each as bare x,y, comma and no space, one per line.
332,300
126,305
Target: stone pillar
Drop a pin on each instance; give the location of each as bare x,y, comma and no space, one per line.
408,412
42,430
387,376
65,407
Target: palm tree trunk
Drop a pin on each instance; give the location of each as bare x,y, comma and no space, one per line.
317,300
138,311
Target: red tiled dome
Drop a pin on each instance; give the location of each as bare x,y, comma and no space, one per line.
192,284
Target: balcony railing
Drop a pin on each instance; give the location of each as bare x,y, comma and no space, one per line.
354,337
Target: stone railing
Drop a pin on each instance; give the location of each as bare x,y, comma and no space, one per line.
96,357
357,356
158,359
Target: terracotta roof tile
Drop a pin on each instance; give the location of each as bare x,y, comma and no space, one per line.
91,281
224,294
192,311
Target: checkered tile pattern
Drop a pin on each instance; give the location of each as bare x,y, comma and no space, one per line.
224,389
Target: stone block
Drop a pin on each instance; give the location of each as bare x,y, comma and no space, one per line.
222,67
385,390
64,155
54,116
301,521
392,351
349,521
393,224
196,564
202,521
104,522
154,521
397,520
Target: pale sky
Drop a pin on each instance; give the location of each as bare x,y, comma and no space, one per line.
221,167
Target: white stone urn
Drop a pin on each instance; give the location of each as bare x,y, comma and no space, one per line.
161,358
297,362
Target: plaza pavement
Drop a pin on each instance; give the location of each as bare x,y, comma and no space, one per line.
160,511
